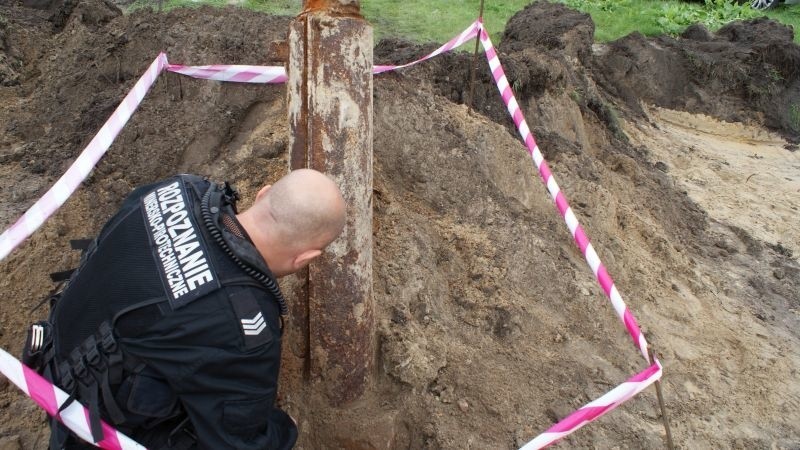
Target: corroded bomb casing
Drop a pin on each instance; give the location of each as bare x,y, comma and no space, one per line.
330,117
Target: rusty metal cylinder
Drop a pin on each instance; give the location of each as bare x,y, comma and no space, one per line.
330,117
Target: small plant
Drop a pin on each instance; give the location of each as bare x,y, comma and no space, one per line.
794,117
714,14
609,116
676,17
612,119
775,75
720,12
577,96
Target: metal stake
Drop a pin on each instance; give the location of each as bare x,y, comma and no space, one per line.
474,63
664,417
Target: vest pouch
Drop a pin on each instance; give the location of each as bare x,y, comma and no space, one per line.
247,418
149,395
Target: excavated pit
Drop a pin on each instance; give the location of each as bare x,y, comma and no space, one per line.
678,156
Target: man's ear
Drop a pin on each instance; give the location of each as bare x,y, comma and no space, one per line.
262,192
304,258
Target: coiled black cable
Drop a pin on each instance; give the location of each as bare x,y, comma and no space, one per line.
216,233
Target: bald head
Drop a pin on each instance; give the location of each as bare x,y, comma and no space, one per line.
305,208
292,221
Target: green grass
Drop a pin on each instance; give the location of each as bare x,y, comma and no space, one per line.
617,18
275,7
439,20
789,15
614,19
417,20
167,5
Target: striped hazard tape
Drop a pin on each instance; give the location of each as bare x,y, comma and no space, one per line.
636,383
597,408
277,74
75,416
575,228
35,216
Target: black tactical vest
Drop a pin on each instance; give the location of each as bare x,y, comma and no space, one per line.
168,245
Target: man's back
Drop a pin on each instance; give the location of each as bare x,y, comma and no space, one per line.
195,314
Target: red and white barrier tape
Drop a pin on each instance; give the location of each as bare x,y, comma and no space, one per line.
51,398
597,408
69,182
575,228
457,41
638,382
83,165
234,73
277,74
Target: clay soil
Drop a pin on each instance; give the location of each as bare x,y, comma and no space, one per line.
678,155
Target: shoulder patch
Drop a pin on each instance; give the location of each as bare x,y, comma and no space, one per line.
177,244
251,319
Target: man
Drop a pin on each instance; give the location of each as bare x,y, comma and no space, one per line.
170,327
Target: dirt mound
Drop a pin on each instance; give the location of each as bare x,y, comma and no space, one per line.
490,325
51,124
746,71
551,26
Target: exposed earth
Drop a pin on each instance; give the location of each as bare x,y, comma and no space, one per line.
679,156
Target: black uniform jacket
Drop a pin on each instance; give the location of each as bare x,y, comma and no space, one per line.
201,330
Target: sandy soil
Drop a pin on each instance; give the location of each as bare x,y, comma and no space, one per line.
718,163
490,325
742,175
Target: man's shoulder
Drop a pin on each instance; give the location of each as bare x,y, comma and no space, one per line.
141,191
256,315
233,319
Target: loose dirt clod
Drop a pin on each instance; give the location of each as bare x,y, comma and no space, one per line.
490,324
